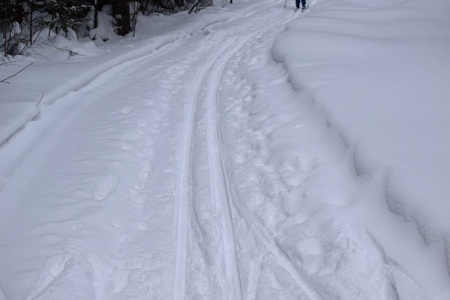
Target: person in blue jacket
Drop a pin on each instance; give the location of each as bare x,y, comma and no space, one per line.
297,3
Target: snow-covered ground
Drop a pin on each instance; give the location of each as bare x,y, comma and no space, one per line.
381,72
245,152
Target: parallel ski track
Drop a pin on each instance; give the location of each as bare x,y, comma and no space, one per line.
185,194
220,184
210,79
184,184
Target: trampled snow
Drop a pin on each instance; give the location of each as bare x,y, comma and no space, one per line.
245,152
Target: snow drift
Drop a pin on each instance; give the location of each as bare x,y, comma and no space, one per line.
381,72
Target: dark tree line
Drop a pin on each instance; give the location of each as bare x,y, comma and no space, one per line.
22,21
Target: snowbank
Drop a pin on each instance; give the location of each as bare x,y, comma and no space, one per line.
381,71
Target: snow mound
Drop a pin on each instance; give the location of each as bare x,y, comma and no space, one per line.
381,73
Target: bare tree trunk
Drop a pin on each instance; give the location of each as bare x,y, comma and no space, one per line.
121,12
31,25
134,18
195,6
145,7
4,25
95,13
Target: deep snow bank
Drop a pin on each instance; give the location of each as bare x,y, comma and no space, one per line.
381,71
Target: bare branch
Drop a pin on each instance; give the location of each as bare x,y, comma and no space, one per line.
71,52
5,80
42,97
195,6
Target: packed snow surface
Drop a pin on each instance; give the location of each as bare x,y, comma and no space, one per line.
245,152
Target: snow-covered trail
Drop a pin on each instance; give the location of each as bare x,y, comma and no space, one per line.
195,171
120,189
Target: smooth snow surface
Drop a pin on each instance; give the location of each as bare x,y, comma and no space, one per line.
246,152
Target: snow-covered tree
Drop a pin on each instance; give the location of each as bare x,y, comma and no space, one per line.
67,14
11,15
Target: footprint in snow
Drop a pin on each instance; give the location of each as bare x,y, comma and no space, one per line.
106,187
253,61
136,190
142,123
140,199
74,281
143,175
176,70
125,110
127,147
140,225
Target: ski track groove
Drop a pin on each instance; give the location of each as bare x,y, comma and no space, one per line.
221,187
218,184
185,192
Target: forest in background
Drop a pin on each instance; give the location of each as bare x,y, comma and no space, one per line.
25,22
